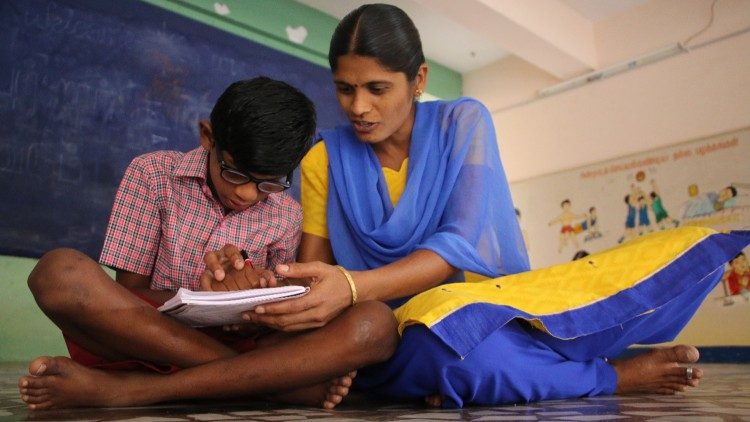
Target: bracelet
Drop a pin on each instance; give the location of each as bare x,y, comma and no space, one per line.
351,283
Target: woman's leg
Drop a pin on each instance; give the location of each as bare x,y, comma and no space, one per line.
660,325
509,366
513,366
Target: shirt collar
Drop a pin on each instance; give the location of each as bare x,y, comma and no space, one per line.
193,164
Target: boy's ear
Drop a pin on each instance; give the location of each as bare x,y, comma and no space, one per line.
206,135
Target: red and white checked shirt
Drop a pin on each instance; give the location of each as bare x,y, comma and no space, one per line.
165,218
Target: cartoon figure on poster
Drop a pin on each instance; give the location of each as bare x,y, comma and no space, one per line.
631,204
572,224
641,207
590,225
734,197
736,280
643,203
663,220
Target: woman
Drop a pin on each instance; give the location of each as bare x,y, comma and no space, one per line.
409,196
453,214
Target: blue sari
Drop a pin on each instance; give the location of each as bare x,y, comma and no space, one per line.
477,344
456,202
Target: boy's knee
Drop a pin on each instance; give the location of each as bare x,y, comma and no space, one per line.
375,331
55,269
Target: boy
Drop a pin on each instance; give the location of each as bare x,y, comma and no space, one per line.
170,209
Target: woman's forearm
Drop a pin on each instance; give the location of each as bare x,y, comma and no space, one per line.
415,273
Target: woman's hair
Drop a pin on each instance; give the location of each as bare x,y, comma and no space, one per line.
383,32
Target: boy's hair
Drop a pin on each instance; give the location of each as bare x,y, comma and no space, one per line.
265,125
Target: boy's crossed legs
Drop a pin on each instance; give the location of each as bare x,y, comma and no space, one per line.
313,367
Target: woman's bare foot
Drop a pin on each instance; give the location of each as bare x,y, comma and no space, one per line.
658,371
435,400
326,395
58,382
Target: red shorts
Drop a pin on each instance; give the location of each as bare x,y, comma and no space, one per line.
86,358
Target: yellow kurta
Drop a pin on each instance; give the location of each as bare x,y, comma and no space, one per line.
314,193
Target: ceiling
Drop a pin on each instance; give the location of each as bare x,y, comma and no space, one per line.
465,35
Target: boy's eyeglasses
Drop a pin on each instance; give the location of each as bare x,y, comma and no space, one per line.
238,177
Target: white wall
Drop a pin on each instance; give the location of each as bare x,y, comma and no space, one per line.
692,95
689,96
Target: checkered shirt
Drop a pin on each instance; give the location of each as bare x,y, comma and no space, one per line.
165,218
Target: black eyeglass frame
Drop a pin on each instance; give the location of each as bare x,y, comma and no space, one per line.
235,176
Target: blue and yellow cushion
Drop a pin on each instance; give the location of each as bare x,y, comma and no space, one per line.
578,298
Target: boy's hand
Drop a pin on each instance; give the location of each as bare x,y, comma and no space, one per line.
219,262
246,278
226,270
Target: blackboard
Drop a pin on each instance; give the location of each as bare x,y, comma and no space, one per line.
86,85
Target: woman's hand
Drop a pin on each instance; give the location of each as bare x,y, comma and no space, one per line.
329,296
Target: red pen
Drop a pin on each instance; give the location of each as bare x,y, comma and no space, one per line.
246,257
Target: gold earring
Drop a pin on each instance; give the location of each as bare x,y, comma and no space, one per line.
418,93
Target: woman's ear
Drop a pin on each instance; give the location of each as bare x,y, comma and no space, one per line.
421,78
206,135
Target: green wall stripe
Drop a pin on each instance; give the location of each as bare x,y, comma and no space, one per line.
265,22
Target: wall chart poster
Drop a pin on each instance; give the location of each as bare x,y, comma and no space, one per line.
703,182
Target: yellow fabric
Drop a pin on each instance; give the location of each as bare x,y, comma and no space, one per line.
314,188
558,288
474,277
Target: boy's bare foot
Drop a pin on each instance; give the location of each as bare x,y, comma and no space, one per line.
326,395
658,371
58,382
338,388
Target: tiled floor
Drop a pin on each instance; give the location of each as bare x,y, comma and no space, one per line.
724,395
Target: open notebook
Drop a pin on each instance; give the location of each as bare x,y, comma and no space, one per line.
204,309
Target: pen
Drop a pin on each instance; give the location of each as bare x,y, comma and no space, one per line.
246,257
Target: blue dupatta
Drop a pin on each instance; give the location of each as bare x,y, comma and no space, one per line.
456,202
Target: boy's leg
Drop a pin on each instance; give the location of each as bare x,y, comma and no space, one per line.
106,319
362,335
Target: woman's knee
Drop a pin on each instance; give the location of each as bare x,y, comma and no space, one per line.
56,272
